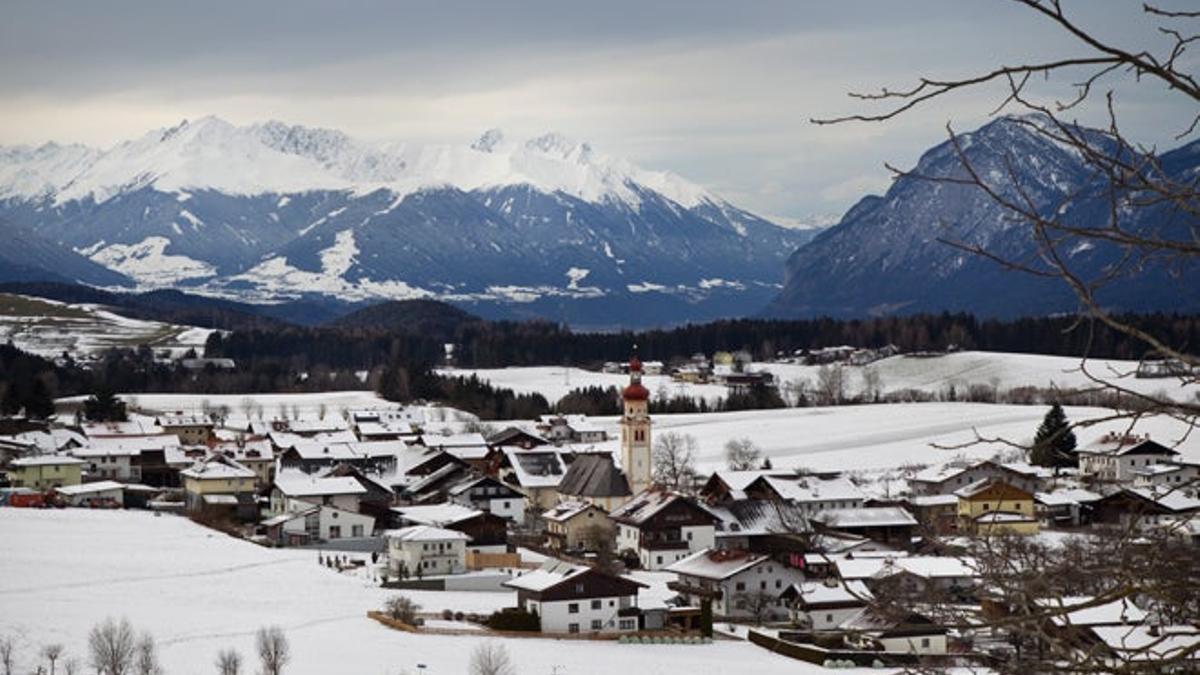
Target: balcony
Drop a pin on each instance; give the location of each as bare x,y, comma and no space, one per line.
685,588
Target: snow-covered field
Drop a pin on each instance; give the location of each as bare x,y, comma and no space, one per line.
49,328
962,369
876,437
199,592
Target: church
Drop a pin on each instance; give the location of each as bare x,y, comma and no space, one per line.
594,477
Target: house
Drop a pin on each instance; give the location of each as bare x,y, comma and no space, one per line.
940,480
535,473
812,494
220,483
825,605
1068,507
1171,474
1140,648
296,491
104,493
915,574
740,584
913,633
424,550
190,429
891,525
1116,457
993,507
488,532
761,526
571,429
515,437
254,454
578,526
311,456
154,460
136,425
578,599
662,527
311,524
44,472
487,494
378,498
471,448
937,513
1141,507
595,478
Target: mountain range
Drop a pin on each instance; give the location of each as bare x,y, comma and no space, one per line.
888,254
509,228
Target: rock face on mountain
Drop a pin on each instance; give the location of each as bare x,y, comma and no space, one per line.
889,254
544,227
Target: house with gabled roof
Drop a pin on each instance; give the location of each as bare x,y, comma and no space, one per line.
824,605
577,526
488,532
220,483
488,494
1117,457
945,479
44,472
296,490
426,550
595,478
535,473
993,507
739,583
891,525
663,526
570,598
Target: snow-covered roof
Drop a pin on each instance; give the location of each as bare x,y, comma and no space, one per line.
466,440
928,567
300,484
536,468
1003,517
168,421
289,516
426,533
1172,499
215,467
1120,445
716,564
934,500
1067,497
90,488
135,426
436,514
812,489
816,593
1147,643
645,504
1119,611
125,446
1159,469
308,426
875,516
565,511
550,574
46,460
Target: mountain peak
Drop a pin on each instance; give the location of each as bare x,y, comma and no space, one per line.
489,140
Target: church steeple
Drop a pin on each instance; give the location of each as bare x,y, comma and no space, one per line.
635,429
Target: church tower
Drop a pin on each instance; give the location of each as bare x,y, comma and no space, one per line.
635,430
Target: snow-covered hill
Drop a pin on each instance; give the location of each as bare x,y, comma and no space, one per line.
270,210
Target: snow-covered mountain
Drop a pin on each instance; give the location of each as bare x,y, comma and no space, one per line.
888,253
266,211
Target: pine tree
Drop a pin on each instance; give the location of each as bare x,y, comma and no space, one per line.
1054,443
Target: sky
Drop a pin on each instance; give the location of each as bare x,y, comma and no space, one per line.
719,92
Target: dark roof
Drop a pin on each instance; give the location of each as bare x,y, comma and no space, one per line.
510,434
594,475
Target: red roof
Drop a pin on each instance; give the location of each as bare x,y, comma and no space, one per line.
635,392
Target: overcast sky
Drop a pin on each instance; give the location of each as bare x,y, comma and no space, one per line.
719,92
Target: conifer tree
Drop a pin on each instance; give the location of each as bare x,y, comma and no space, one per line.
1054,443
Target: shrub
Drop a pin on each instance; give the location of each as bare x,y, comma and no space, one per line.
402,609
514,619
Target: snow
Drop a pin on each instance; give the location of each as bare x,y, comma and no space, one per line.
272,405
148,263
200,592
210,153
555,382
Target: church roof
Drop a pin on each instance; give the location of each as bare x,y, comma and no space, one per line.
594,475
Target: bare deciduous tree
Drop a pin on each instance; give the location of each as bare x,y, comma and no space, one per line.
8,648
273,650
741,454
53,652
402,608
674,461
491,658
831,383
229,662
146,662
112,646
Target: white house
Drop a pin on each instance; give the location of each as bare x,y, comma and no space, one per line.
485,493
424,550
736,581
825,606
578,599
104,492
296,491
315,523
1118,457
663,527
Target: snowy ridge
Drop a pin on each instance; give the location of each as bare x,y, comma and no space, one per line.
274,157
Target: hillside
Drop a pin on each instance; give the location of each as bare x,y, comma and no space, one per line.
423,317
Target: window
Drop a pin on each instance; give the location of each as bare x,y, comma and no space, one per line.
597,624
597,604
741,586
828,618
578,588
356,531
689,536
660,560
335,531
573,608
572,628
762,585
628,624
924,642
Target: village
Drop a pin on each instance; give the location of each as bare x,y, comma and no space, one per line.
630,545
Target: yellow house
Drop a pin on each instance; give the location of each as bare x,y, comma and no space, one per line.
578,525
989,507
45,472
216,480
